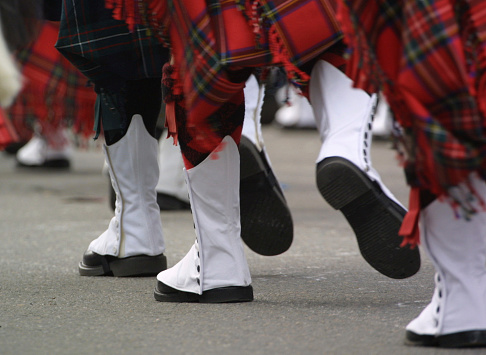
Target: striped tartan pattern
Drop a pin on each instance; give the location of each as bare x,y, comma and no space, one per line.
7,133
104,49
54,92
429,58
212,39
306,27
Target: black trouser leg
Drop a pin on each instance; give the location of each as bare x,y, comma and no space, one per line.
143,97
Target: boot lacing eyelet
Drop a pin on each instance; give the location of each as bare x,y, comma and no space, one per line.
118,208
197,263
440,294
367,138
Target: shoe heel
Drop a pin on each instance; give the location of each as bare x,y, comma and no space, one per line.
138,266
228,295
374,218
85,270
340,182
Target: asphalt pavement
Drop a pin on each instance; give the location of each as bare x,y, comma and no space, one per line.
320,297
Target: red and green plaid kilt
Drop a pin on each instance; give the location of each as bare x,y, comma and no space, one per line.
7,132
209,39
54,92
104,49
429,57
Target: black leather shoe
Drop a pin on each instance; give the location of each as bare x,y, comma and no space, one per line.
165,202
171,203
107,265
414,339
61,163
14,147
266,222
164,293
374,217
467,339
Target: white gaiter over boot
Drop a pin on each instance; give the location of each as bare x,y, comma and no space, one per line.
252,128
344,174
456,316
136,228
215,268
344,118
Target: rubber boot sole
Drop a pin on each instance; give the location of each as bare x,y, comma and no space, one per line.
231,294
373,216
143,265
467,339
50,164
266,222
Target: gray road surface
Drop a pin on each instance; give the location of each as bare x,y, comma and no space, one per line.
318,298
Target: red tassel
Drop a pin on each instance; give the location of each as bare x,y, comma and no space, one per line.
170,120
126,10
281,56
410,225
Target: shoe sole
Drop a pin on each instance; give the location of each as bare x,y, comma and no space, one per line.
467,339
266,222
374,218
127,267
414,339
51,164
232,294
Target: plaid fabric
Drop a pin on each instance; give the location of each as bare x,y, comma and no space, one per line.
104,49
211,40
7,133
429,57
306,27
20,21
54,94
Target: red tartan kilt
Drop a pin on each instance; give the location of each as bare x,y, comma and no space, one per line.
7,133
210,38
305,28
55,93
235,42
